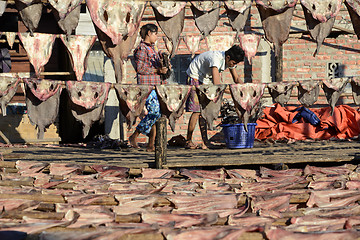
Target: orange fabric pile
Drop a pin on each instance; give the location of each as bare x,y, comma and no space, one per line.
277,124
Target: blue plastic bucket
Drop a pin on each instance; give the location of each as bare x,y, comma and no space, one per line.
237,137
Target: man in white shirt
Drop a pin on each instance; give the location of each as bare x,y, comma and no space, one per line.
206,69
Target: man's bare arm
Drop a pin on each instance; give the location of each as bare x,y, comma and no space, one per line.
215,75
234,75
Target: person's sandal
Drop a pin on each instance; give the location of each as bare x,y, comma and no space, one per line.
190,145
150,149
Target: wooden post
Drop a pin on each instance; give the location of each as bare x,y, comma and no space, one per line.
2,135
279,66
160,142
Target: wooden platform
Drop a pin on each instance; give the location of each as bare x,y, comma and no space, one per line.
261,154
62,190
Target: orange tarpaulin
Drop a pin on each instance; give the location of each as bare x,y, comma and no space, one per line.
277,124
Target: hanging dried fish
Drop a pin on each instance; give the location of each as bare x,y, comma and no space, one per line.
308,92
206,14
172,100
281,91
276,20
246,97
132,100
333,88
210,98
170,16
320,18
238,13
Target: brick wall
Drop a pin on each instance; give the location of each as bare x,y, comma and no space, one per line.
298,60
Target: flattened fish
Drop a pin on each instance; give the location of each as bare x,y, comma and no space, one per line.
42,89
281,91
116,18
8,88
192,43
118,53
30,12
308,92
88,101
170,16
210,98
320,18
206,14
238,13
249,43
220,42
333,88
78,47
355,85
2,7
64,7
353,7
116,25
10,37
132,100
172,100
276,20
70,22
42,102
246,97
38,48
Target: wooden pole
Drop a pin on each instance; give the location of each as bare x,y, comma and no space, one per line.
2,135
279,66
160,142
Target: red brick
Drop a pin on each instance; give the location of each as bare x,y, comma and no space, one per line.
303,70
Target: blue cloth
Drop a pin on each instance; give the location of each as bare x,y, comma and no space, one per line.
307,114
153,107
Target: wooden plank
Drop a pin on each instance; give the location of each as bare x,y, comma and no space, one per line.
222,161
12,183
295,198
131,218
161,142
37,215
251,236
46,198
46,207
178,157
7,164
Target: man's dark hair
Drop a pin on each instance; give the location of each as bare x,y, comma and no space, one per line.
146,28
235,53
